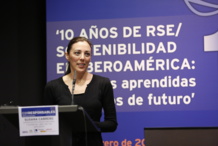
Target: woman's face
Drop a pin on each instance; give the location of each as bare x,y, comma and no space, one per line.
79,56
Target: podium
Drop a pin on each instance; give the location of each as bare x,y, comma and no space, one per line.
181,136
72,119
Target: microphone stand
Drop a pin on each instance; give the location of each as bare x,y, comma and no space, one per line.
73,87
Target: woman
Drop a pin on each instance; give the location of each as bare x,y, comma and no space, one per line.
92,92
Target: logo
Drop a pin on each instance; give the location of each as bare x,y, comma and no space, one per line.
213,7
210,41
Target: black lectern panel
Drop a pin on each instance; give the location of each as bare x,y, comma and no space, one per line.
181,136
72,119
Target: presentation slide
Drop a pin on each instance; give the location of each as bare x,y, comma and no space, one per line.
161,58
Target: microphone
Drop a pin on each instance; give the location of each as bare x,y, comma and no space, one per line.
11,103
73,86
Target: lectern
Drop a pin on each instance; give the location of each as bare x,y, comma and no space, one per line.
182,136
72,119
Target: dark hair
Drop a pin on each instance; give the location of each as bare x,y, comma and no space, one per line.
73,41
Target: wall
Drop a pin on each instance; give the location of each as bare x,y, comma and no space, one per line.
23,57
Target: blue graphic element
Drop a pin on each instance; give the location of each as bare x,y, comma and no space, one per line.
38,111
202,3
